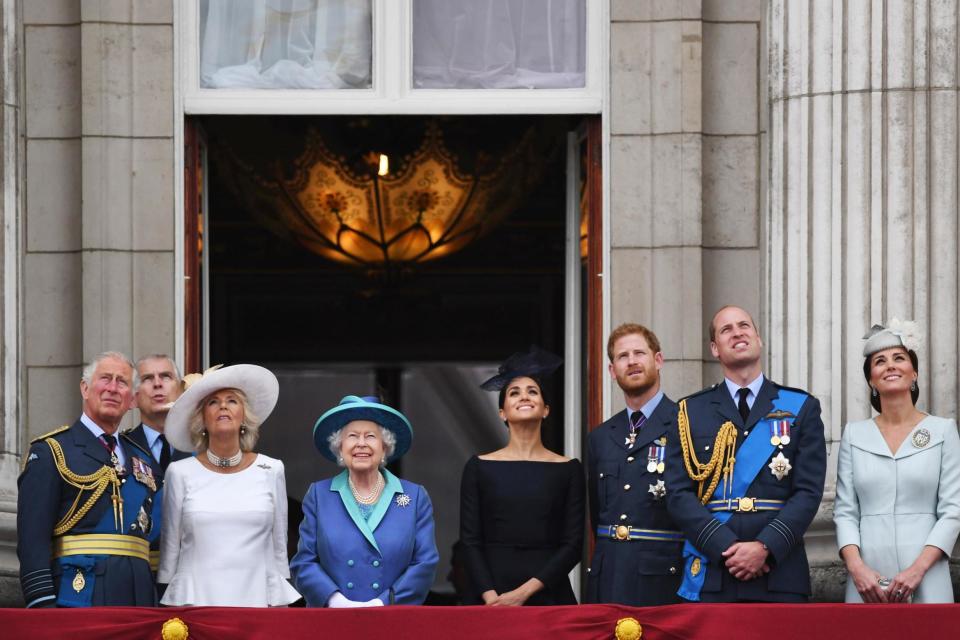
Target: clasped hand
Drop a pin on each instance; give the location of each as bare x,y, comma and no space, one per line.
746,560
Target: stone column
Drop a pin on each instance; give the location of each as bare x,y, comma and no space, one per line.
686,137
95,258
862,205
10,203
127,233
656,146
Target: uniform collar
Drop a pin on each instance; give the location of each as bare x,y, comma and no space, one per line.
98,431
733,388
150,434
648,408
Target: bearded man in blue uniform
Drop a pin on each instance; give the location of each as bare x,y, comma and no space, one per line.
86,503
747,479
637,558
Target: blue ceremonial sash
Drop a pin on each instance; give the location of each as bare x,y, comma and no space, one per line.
752,456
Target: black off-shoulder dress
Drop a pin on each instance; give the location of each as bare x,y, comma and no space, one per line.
522,520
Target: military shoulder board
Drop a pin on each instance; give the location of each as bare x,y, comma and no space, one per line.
50,434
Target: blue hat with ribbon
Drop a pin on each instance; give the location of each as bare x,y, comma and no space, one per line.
363,408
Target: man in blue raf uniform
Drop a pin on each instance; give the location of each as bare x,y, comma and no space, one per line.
637,560
84,509
748,476
159,386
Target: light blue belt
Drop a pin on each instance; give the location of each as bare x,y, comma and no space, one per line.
745,505
624,533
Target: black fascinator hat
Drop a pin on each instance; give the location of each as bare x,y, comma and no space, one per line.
536,363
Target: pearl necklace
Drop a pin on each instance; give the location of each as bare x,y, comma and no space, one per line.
224,463
371,497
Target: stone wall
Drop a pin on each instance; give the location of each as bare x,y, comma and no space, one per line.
687,126
10,207
97,243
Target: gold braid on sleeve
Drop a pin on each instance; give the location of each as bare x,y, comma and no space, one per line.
721,460
96,482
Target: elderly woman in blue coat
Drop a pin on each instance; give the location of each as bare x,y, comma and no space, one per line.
367,537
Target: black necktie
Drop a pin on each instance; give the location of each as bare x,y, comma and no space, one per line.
637,420
164,453
742,405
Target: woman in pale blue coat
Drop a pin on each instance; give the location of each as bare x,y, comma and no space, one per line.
897,508
367,537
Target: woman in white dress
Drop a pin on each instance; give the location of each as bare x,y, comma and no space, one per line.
224,536
897,508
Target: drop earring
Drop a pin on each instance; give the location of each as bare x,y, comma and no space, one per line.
874,392
913,386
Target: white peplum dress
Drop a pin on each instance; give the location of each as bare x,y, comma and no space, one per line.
224,536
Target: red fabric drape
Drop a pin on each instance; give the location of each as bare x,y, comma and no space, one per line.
593,622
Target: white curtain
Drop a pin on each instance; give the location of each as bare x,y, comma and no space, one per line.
285,44
499,44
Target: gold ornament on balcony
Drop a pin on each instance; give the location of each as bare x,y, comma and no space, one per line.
386,212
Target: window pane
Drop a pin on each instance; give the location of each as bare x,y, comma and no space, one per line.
499,44
285,44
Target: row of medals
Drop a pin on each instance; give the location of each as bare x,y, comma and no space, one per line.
779,437
654,463
142,473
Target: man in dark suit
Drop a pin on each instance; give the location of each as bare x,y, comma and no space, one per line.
159,386
745,525
84,503
637,559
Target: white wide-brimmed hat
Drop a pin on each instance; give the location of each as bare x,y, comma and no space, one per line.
258,384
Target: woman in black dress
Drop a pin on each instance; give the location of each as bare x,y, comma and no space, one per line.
521,507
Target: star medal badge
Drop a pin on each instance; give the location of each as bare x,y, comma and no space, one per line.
403,500
143,521
779,433
780,466
921,438
115,461
143,473
658,490
631,439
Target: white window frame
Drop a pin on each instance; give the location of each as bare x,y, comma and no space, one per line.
392,72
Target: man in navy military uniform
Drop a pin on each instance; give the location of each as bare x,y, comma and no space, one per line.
637,559
159,386
745,525
85,502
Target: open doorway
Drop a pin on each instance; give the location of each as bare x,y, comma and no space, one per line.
422,334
